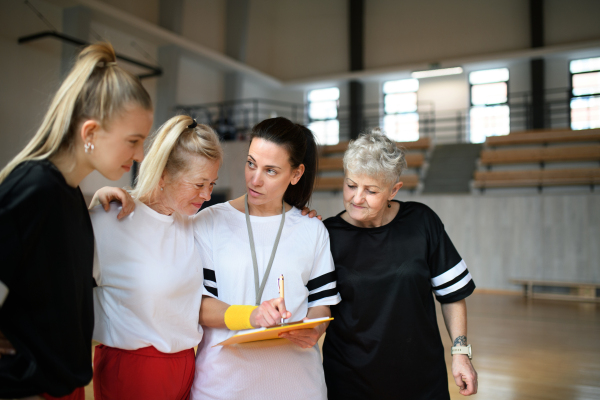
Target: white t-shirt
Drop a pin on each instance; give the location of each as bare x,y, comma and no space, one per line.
273,369
149,277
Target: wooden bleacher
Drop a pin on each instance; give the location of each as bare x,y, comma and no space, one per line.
544,137
331,160
336,183
542,154
413,160
421,144
537,178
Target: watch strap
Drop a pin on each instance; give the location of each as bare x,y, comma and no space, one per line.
462,350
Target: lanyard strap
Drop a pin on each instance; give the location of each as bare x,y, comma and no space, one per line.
259,291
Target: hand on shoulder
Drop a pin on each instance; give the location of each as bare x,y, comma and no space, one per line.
107,194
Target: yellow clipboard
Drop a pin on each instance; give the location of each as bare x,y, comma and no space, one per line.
254,335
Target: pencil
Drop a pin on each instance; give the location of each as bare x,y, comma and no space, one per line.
281,289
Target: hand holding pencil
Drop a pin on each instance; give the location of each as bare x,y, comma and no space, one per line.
271,312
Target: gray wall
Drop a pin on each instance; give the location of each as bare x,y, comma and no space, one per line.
550,237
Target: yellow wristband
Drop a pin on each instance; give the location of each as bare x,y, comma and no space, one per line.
238,317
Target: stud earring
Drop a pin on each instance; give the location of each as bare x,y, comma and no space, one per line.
161,189
88,147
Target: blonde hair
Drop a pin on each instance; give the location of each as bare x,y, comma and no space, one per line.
96,88
375,155
170,150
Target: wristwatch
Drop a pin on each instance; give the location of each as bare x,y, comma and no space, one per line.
463,350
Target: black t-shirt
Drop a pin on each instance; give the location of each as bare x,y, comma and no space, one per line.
47,252
384,342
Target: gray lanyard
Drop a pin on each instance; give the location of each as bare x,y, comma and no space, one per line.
259,291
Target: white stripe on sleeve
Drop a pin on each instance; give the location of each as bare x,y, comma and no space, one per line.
458,285
3,292
210,283
449,275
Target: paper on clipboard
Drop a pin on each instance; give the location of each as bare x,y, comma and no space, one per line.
254,335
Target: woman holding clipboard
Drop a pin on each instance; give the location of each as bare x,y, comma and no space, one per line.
245,245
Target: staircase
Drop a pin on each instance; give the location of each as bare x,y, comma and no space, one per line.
451,168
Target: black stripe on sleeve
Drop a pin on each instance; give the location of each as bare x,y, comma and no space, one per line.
453,281
212,290
322,294
458,295
209,275
321,281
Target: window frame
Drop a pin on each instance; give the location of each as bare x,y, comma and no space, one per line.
506,103
337,110
385,113
573,96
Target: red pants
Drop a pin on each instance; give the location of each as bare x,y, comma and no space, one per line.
142,374
78,394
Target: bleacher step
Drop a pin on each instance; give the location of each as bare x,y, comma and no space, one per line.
451,168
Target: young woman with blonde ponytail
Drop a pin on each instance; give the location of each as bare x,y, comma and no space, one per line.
148,271
97,120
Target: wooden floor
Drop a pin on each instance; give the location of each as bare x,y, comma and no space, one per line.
541,349
528,350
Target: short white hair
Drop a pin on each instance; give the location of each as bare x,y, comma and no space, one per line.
375,155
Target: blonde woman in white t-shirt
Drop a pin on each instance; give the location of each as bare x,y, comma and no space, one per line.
146,267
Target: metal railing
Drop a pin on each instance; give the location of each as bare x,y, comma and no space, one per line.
233,119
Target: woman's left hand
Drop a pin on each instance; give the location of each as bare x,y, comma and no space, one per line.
305,338
464,374
311,213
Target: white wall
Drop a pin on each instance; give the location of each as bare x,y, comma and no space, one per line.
571,21
204,23
446,93
400,32
144,9
198,83
293,39
29,74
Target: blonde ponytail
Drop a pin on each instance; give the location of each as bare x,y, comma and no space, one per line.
96,88
173,143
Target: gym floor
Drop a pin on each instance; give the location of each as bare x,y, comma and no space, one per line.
527,350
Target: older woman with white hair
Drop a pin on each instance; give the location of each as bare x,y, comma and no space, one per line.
389,258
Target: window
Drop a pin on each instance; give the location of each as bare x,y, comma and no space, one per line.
585,96
322,115
490,113
401,120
